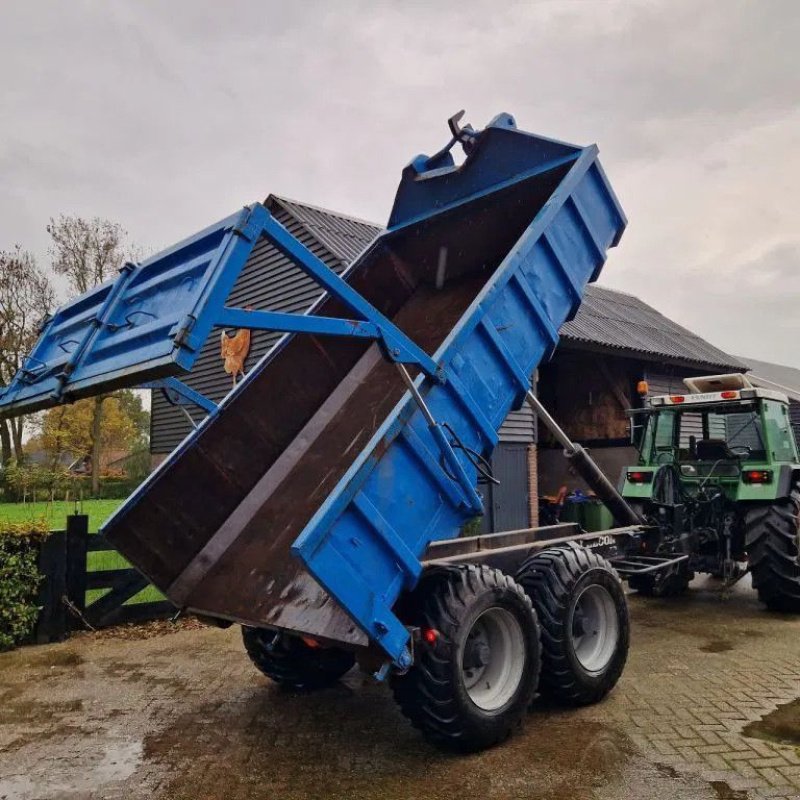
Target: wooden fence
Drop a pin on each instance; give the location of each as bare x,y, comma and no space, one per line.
78,592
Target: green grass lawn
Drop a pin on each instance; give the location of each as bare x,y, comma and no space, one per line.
56,514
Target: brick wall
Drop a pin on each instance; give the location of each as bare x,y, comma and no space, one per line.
533,487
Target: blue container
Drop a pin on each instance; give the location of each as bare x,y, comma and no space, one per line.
307,499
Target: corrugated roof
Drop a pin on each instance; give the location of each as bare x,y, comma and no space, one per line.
342,235
775,376
620,321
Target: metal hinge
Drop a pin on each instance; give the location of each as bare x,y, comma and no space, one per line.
183,329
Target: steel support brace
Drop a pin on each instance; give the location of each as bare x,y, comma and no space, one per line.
186,395
373,325
296,323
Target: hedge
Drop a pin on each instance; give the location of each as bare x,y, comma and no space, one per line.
19,579
32,482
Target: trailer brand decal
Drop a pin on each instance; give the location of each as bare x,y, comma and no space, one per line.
600,541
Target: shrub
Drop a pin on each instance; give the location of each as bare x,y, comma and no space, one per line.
31,483
19,579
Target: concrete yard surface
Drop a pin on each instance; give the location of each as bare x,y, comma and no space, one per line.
707,708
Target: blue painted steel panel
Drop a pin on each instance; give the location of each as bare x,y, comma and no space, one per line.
147,324
506,332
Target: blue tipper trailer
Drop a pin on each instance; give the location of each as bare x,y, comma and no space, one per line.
320,504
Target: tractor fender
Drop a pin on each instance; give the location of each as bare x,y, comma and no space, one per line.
788,476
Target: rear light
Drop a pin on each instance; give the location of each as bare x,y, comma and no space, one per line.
640,477
678,398
642,388
729,395
757,476
430,635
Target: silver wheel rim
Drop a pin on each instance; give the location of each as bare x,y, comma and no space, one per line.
493,659
594,628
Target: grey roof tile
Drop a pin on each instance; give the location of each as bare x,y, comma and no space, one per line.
780,376
620,321
342,235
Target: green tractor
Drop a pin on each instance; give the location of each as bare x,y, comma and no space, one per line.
718,479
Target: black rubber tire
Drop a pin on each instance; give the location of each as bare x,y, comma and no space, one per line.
554,579
291,663
772,539
432,694
673,584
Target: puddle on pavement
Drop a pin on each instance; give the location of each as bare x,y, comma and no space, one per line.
53,656
155,673
781,726
724,792
34,712
716,646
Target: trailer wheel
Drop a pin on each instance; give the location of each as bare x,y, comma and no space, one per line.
584,617
291,663
471,686
772,538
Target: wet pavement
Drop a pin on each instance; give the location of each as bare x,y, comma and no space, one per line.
707,708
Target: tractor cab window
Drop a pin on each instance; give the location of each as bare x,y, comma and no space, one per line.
779,431
741,430
658,439
704,434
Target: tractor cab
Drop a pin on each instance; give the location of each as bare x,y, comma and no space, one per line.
723,431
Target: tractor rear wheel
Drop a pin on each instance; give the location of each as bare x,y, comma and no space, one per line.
293,664
584,617
477,666
772,539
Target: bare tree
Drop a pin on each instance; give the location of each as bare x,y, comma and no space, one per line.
26,296
88,252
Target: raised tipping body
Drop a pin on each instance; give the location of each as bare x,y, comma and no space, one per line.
306,500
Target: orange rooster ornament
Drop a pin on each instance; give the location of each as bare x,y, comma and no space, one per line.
234,350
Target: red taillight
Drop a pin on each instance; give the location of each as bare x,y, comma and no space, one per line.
678,398
430,635
729,395
757,476
640,477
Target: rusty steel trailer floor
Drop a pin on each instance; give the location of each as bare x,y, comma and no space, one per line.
707,710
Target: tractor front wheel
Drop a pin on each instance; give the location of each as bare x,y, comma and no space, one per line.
477,666
293,664
772,538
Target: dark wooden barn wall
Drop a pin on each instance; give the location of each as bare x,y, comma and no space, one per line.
269,281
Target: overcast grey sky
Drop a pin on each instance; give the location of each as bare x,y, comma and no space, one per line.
166,116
